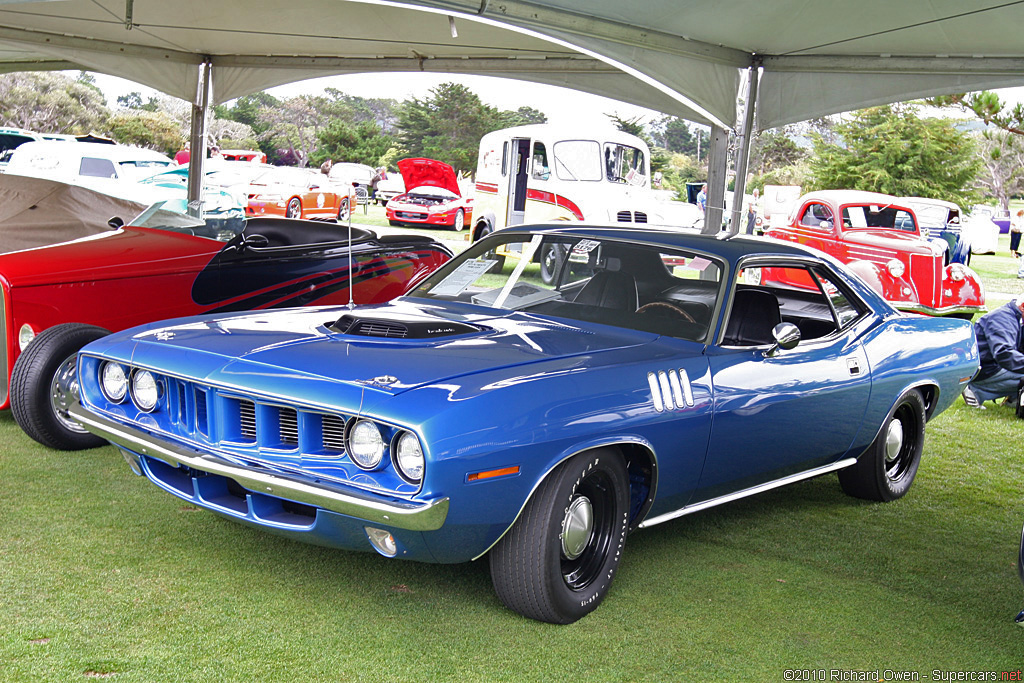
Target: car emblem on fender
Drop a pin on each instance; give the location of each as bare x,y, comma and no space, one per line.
384,380
164,335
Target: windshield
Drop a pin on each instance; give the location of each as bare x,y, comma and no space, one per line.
877,216
159,218
625,164
649,288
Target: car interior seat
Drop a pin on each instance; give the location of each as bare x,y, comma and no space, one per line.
610,288
755,313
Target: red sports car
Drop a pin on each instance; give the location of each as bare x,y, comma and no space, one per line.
298,193
432,196
878,236
57,298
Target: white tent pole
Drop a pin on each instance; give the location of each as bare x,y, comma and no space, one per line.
718,164
743,153
200,109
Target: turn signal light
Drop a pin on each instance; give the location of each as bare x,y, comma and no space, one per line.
490,474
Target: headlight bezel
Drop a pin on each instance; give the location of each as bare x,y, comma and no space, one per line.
138,376
399,445
26,333
896,268
376,458
116,398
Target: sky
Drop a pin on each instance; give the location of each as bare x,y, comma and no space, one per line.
561,105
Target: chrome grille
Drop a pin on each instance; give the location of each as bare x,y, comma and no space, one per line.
631,217
247,419
288,424
333,433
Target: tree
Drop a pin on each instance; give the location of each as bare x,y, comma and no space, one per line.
363,143
773,150
522,117
1002,157
447,125
891,149
294,126
133,100
153,130
674,134
51,103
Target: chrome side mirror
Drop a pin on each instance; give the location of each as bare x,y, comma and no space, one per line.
786,336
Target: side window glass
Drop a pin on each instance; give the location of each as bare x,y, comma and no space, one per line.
540,162
815,215
504,158
846,308
97,168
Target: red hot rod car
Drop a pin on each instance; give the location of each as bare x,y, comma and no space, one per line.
878,236
56,298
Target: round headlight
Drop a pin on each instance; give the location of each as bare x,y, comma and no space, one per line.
409,457
895,267
114,381
365,445
145,390
25,335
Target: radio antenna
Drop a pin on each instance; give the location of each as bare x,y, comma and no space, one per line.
351,278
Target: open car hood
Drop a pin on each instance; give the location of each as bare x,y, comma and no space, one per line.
428,173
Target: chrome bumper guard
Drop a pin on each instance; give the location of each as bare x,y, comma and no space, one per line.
412,516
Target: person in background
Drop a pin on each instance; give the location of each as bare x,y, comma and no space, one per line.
215,152
325,167
379,174
184,154
702,198
1000,336
1016,230
752,212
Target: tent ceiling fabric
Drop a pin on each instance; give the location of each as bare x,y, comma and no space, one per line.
682,57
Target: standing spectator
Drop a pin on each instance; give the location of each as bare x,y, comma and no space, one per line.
752,212
702,198
1001,352
1016,230
325,167
379,174
184,154
215,152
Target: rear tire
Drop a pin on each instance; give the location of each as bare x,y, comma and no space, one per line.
557,562
343,210
887,469
294,209
44,384
459,224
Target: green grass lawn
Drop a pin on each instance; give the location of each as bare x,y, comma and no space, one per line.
102,575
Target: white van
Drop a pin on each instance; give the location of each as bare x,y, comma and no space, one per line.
102,167
546,172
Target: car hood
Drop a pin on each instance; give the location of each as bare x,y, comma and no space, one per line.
270,352
904,241
428,173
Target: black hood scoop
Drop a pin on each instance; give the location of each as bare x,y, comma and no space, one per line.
390,328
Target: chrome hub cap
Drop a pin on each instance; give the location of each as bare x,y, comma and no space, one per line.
577,527
893,440
64,392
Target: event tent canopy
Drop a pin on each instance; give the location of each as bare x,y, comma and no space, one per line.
678,56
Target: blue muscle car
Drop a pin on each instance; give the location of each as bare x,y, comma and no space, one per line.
537,421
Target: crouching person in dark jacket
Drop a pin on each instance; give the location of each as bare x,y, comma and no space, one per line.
1001,347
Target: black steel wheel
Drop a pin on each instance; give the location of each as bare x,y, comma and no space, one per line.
557,562
294,209
886,470
44,384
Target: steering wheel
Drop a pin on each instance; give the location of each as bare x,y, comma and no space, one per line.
666,308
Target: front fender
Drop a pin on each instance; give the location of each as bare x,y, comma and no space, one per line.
962,288
892,289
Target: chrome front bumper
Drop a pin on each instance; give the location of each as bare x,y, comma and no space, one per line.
428,516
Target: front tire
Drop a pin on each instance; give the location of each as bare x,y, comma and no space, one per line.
557,562
459,224
887,469
44,384
343,210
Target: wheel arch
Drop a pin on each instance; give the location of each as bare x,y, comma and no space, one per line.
641,469
929,391
482,224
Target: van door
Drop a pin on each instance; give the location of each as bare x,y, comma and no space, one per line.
518,174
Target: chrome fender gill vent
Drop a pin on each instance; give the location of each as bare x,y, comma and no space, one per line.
671,390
